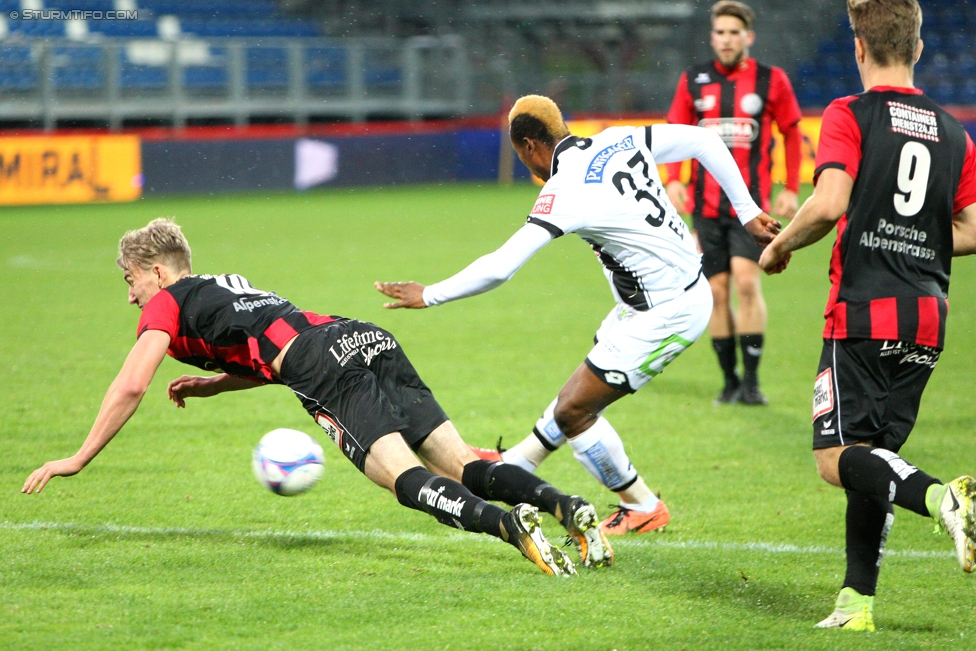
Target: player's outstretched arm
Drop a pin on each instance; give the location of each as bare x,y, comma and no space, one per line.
813,221
964,231
484,274
195,386
121,401
675,142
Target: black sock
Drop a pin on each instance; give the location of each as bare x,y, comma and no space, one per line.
725,349
869,519
505,482
752,347
448,501
883,473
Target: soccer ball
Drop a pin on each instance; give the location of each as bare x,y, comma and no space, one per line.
288,462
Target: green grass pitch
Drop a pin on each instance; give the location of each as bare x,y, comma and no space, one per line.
166,541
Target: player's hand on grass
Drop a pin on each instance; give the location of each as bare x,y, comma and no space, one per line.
192,386
787,203
677,195
407,294
60,468
763,229
774,260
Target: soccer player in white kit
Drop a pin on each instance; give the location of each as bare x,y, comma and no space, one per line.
607,190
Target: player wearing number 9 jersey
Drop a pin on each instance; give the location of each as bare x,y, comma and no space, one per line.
607,190
897,175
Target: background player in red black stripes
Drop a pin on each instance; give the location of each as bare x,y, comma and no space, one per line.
353,379
904,172
740,98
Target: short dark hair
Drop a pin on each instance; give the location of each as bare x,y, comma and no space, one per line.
890,29
739,10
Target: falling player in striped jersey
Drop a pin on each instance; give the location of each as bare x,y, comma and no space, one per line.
897,175
352,377
608,191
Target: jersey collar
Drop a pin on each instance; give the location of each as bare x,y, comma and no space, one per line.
741,66
895,89
564,144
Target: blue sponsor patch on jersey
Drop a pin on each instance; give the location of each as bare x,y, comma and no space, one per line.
594,171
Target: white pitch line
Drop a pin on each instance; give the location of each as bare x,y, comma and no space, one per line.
647,542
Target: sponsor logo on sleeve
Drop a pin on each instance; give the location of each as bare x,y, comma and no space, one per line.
594,171
543,205
823,394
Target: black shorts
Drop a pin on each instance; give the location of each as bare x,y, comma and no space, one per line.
354,379
721,239
869,391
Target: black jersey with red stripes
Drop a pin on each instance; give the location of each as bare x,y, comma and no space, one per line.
739,103
914,167
223,324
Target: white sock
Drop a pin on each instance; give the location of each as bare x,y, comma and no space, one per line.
638,497
601,452
514,457
530,452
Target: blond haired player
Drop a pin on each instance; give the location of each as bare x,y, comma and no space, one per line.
351,376
897,175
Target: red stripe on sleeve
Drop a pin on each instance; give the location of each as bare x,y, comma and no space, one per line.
682,106
317,319
884,318
928,321
840,138
966,192
160,313
280,333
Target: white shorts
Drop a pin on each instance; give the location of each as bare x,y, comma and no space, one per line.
632,346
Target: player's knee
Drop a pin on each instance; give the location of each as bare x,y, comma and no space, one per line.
827,460
748,290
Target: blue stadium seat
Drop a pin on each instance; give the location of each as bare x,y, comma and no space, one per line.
78,68
325,67
966,94
18,70
212,8
83,5
267,67
808,92
137,76
943,92
212,77
37,28
124,28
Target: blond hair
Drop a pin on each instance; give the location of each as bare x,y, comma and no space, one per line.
160,241
890,29
536,117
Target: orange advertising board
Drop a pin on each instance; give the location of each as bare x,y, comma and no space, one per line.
69,169
809,127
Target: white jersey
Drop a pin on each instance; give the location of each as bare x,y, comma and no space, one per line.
607,190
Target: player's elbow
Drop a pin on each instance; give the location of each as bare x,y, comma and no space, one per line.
130,390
